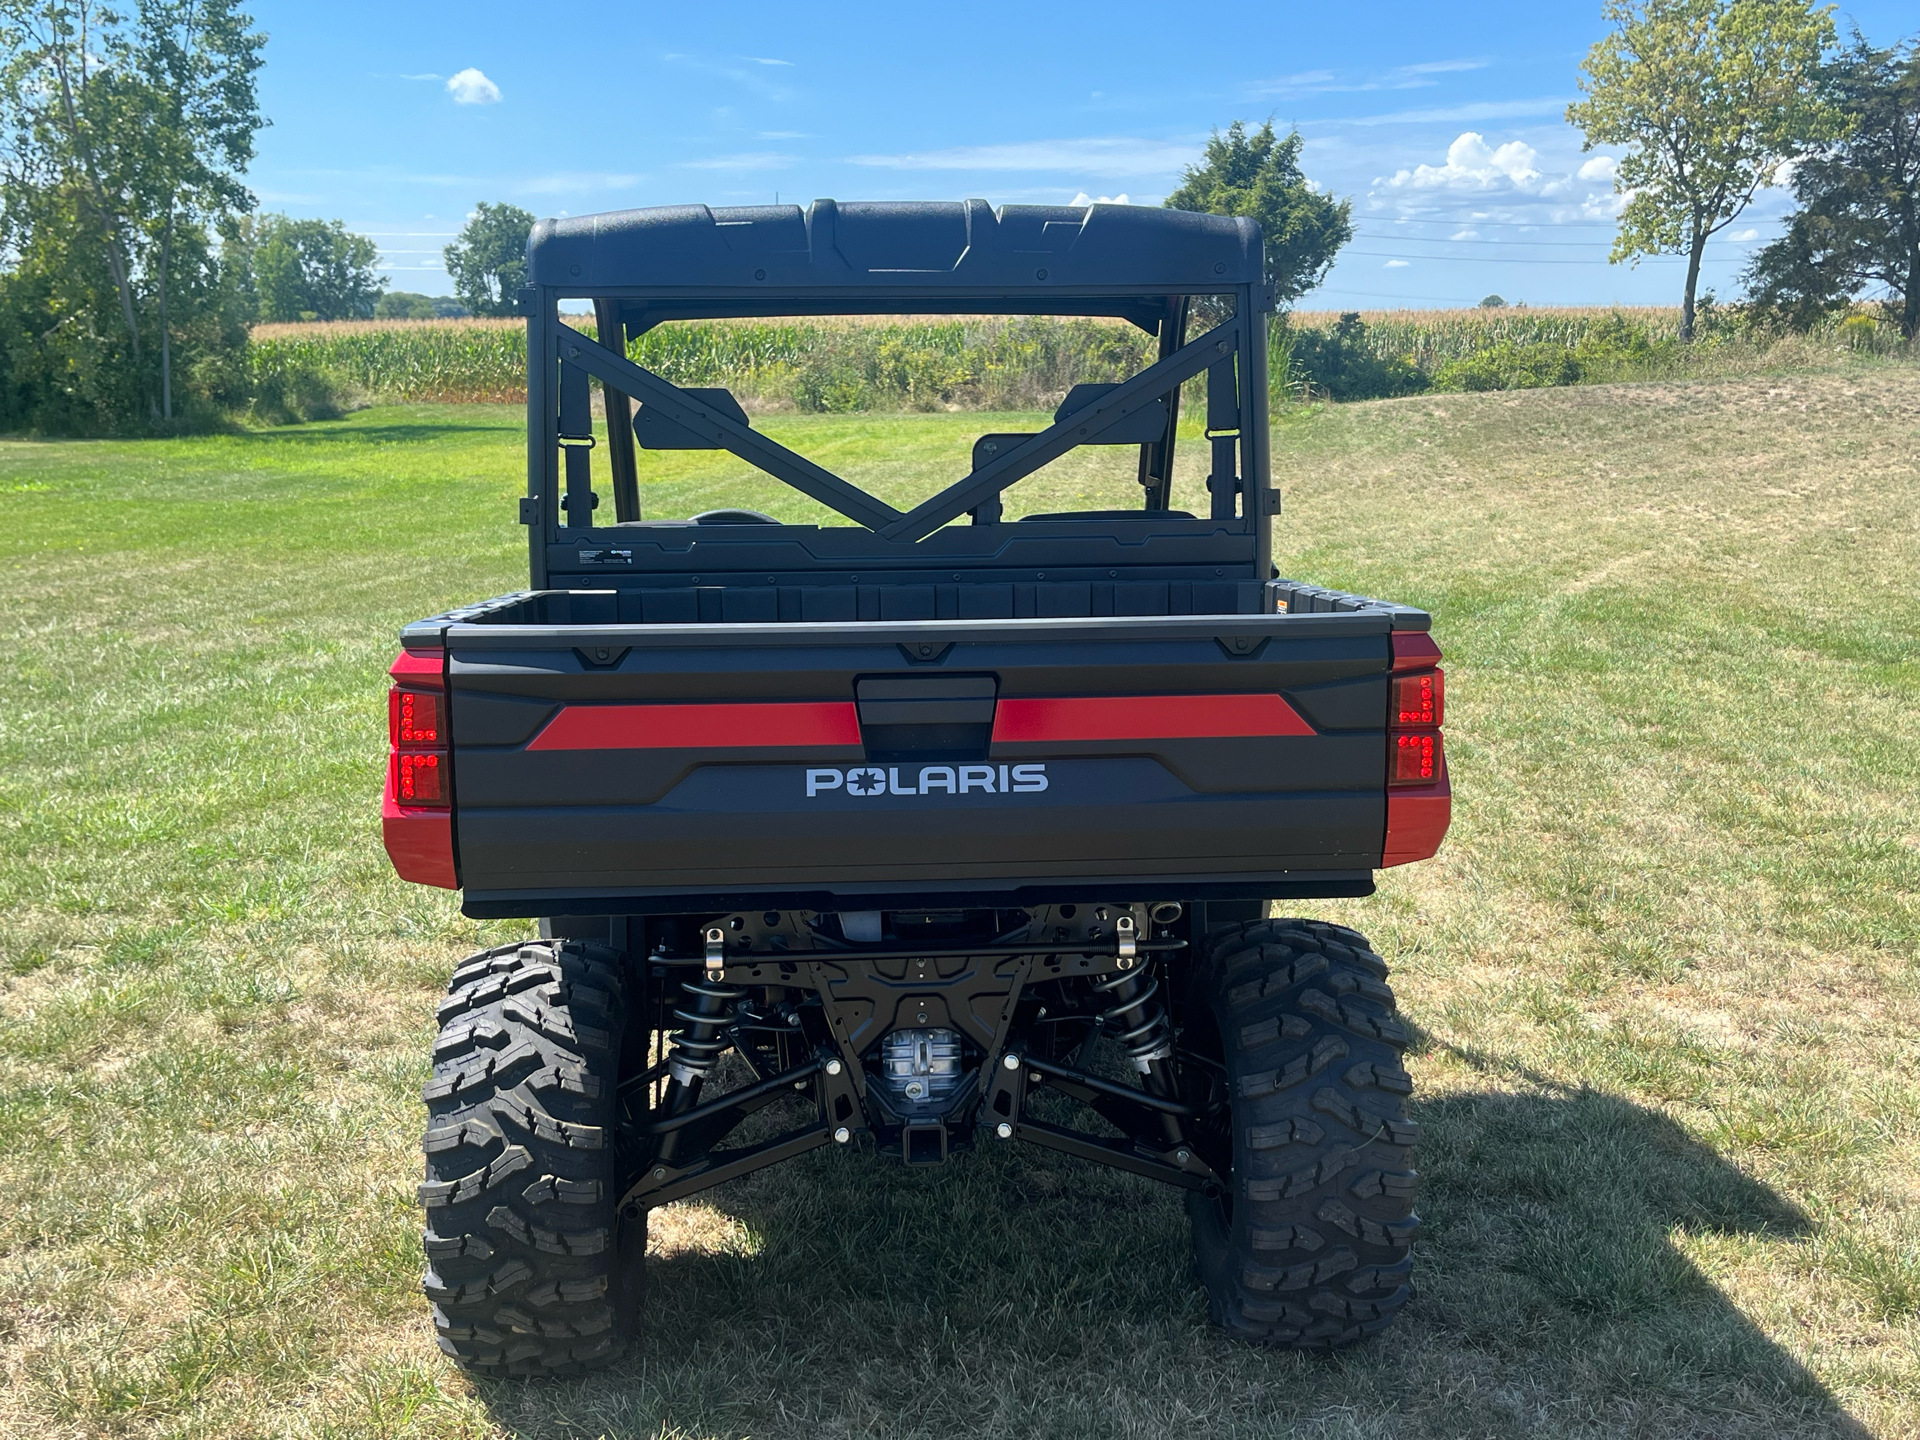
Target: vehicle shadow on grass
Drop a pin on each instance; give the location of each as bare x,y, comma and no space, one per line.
1018,1293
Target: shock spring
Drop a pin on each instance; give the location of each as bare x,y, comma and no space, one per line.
707,1012
1136,1019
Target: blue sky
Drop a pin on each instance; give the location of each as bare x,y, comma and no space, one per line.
1441,122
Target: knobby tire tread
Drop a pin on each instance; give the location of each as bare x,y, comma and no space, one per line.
521,1241
1315,1249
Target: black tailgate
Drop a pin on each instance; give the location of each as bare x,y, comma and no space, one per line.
658,767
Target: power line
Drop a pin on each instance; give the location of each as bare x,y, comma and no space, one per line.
1473,240
1505,224
1380,295
1497,259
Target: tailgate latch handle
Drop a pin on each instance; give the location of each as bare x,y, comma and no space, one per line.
716,950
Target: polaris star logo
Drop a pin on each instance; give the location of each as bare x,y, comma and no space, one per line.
865,781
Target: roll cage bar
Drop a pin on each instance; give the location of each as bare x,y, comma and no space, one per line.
1146,267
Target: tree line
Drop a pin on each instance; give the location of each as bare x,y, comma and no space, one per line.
1713,101
320,270
1716,100
134,260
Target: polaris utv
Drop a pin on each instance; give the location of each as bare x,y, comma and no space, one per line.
933,829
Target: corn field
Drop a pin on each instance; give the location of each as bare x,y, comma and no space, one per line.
302,371
1430,338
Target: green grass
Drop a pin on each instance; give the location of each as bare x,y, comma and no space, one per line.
1664,973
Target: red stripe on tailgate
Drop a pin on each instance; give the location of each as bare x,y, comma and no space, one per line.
1145,717
700,727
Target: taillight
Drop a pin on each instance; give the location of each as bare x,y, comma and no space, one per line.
1415,758
416,818
420,779
1419,699
1416,710
417,734
415,717
1419,794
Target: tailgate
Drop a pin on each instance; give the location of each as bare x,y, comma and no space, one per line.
655,767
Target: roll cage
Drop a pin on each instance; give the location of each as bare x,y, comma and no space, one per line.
1147,267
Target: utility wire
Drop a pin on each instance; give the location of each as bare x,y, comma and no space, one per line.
1471,240
1496,259
1504,224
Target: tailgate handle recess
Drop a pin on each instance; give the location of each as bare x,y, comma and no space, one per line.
935,700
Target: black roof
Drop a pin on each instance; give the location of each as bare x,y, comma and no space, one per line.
893,245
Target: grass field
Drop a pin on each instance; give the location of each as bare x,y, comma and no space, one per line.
1666,973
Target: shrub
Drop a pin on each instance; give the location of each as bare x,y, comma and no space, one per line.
1860,332
1511,367
290,387
1344,363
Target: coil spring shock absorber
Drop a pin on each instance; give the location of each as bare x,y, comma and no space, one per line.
1138,1021
710,1006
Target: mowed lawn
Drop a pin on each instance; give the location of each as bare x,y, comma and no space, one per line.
1666,973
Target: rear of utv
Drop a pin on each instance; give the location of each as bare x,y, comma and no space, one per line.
859,836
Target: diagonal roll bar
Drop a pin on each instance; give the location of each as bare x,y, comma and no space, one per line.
856,504
729,434
1051,443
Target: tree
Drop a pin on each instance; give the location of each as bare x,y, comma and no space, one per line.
313,270
1711,97
122,139
488,261
197,58
1493,302
1259,176
1858,225
408,305
403,305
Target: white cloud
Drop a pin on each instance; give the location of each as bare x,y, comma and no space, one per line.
1395,265
1599,168
1465,235
783,135
573,182
471,87
428,76
745,160
1109,155
1471,165
1748,234
1442,67
752,75
1085,199
1328,82
1476,110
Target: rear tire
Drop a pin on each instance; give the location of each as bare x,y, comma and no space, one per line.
1312,1247
521,1239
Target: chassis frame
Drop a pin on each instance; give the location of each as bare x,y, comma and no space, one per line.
837,1001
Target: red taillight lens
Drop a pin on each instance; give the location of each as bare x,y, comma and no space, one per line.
1419,699
1416,758
416,717
420,779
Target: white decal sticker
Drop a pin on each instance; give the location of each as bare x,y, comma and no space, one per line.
867,780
